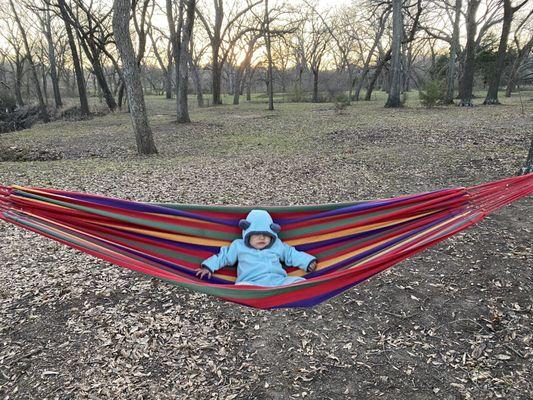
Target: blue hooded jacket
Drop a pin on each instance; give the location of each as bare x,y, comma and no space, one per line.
260,267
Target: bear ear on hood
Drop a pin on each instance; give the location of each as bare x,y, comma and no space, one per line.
244,224
275,227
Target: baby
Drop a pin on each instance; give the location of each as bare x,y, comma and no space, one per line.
259,254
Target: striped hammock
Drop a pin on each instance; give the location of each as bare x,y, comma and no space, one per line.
352,241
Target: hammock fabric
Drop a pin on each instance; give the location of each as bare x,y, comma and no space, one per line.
352,241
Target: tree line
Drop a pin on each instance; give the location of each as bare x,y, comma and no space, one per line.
119,51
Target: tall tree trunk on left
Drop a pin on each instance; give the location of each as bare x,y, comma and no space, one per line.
42,107
396,60
132,77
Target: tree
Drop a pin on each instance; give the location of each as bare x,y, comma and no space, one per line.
166,68
366,66
42,107
508,12
249,52
409,37
183,108
528,166
396,67
454,49
132,78
91,23
78,71
268,45
523,51
46,23
219,34
467,82
15,58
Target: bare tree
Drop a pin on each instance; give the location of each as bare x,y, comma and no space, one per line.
218,33
396,67
467,82
42,107
381,23
183,108
249,52
15,58
78,70
166,68
454,49
508,13
91,24
132,79
523,42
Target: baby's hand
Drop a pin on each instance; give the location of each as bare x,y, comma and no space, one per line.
203,271
311,267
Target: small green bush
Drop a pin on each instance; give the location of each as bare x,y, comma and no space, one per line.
341,102
432,93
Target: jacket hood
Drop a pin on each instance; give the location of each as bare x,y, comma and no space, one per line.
257,222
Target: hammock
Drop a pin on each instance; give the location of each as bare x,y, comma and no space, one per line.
352,241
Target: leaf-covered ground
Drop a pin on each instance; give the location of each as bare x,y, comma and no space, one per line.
453,322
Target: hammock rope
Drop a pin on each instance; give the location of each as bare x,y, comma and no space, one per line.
352,241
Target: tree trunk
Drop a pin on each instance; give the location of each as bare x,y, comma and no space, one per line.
19,70
467,84
168,81
216,81
394,99
494,85
516,64
270,76
102,82
80,79
120,94
366,68
44,77
377,73
239,78
52,58
249,90
528,166
42,107
197,84
315,86
132,78
450,75
183,106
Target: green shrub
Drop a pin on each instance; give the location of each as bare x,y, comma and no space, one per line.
432,93
341,102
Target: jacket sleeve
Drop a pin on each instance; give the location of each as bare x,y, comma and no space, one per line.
294,258
226,256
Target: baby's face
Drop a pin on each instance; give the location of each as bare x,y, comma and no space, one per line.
260,241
